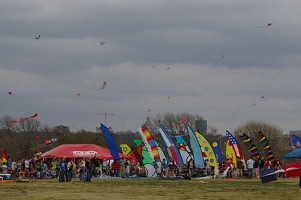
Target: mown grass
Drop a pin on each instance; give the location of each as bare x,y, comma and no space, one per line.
145,188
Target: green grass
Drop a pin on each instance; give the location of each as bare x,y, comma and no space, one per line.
144,188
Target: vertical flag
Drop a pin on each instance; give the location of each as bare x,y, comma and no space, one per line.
230,153
236,147
171,146
196,149
110,142
296,141
217,150
266,146
4,156
149,143
250,144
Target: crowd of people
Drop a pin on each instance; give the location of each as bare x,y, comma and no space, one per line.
65,169
249,169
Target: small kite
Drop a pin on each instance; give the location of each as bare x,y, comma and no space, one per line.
10,93
103,85
30,117
233,112
269,24
254,103
78,94
13,121
98,87
38,37
215,56
102,43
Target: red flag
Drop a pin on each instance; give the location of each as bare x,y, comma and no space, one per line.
4,156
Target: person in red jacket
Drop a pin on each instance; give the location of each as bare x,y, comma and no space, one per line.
116,168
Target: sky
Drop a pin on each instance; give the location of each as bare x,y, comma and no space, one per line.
213,58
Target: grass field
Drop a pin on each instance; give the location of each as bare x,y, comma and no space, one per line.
151,188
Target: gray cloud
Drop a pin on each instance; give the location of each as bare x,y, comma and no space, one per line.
143,39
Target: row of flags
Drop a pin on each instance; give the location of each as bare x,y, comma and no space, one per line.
149,152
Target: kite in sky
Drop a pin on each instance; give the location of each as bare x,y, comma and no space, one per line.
102,43
24,119
38,37
13,121
215,56
101,87
255,103
10,93
30,117
233,112
269,24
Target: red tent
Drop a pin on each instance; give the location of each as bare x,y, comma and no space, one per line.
81,151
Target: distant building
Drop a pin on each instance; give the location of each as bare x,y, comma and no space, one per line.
296,133
201,126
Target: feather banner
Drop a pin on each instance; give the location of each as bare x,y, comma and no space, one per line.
110,142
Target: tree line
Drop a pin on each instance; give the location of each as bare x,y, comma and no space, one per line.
23,140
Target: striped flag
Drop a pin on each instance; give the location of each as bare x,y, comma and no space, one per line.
236,147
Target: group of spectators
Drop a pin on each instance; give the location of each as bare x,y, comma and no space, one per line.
85,168
254,165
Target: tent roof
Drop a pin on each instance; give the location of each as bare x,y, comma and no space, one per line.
293,154
81,151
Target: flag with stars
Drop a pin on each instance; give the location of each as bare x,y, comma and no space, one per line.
235,146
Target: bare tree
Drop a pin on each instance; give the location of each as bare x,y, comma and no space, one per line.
278,142
19,137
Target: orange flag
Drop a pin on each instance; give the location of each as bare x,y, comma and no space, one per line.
4,156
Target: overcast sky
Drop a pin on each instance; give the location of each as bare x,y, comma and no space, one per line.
214,58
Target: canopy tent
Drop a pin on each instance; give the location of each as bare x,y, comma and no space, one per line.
81,151
293,154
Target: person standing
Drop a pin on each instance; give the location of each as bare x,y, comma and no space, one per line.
116,168
88,169
250,165
171,167
70,167
122,167
261,164
62,170
267,164
256,168
163,168
240,167
190,167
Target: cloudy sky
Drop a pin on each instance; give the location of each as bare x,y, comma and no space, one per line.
214,58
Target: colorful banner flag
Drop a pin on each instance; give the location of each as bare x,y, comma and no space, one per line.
296,141
217,150
171,146
4,156
236,146
149,143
